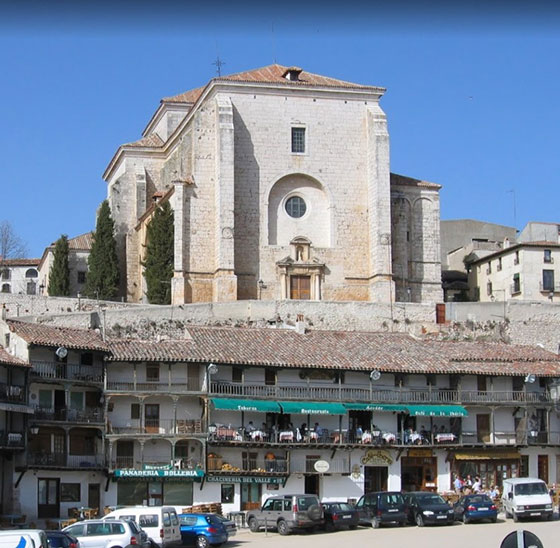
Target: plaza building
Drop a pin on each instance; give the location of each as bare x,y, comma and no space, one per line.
232,415
281,188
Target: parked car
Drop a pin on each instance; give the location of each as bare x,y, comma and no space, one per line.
202,530
475,508
60,539
339,515
230,526
159,522
115,533
424,508
526,498
286,513
382,507
23,538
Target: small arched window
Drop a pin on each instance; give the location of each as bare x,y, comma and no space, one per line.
6,288
31,273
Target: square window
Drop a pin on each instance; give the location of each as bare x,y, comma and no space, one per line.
70,492
152,373
298,140
81,277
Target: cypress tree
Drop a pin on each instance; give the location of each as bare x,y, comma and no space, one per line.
103,270
59,275
158,265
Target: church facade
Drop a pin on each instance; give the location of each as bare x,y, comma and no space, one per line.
281,188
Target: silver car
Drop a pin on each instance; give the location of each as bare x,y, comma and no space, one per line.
117,533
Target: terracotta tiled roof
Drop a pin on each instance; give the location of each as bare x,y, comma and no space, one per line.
19,262
47,335
339,350
7,359
83,241
152,140
190,96
272,74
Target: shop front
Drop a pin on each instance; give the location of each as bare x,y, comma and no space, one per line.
156,487
492,466
419,470
376,464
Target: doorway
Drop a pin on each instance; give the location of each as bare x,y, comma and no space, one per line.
59,404
151,416
94,495
419,473
542,466
311,484
250,496
483,428
375,478
48,498
300,287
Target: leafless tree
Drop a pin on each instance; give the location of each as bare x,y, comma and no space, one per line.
11,245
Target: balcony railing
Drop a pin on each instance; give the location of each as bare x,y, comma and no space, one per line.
349,393
136,463
62,460
192,385
257,464
15,440
12,393
89,415
67,371
161,426
553,287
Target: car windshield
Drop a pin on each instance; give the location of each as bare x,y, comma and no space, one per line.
431,499
340,506
304,503
479,498
531,489
390,499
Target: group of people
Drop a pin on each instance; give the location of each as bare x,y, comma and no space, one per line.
299,434
466,486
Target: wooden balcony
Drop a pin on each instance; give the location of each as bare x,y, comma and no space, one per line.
192,385
12,393
345,393
164,427
67,372
62,460
82,416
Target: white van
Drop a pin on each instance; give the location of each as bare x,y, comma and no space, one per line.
159,522
23,538
526,498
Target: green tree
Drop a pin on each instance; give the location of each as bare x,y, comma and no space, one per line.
103,269
158,265
59,275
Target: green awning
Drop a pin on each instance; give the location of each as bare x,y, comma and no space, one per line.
437,410
312,408
375,407
261,406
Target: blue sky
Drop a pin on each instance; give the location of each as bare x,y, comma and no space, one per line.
472,94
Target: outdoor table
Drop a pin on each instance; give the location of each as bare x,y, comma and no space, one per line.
414,437
257,435
367,437
388,437
445,437
286,436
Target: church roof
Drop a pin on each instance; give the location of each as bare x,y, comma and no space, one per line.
271,74
152,140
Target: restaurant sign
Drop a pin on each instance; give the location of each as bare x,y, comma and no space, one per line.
245,479
377,457
129,473
156,467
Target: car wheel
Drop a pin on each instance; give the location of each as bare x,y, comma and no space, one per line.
515,517
283,528
375,523
253,525
419,520
201,542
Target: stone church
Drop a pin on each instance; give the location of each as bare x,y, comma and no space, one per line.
281,189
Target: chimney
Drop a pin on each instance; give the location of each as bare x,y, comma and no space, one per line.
292,74
506,243
300,325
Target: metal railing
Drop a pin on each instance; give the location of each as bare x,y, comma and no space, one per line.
349,393
163,461
12,393
12,439
62,460
67,371
88,415
257,464
192,385
160,426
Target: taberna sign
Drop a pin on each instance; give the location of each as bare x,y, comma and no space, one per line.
130,473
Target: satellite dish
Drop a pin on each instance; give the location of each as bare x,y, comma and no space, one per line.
530,378
212,369
375,375
61,352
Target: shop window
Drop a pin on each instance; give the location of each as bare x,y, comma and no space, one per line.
70,492
228,493
178,493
